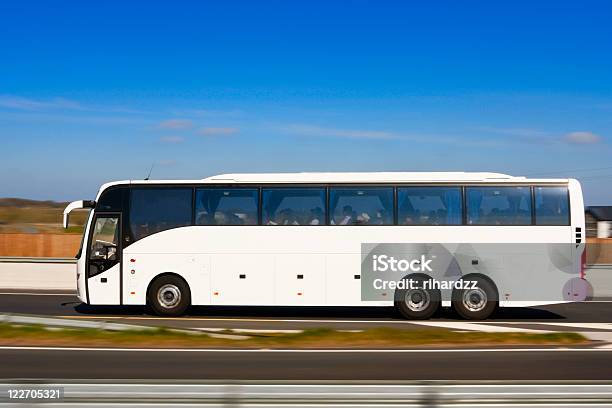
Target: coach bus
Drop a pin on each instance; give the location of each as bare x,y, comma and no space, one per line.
292,239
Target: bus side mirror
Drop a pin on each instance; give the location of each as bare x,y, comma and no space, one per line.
76,205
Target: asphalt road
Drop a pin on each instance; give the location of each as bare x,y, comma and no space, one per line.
554,364
498,364
281,318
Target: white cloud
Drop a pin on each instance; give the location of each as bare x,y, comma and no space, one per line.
172,139
582,138
220,131
383,135
527,135
205,113
521,132
308,130
70,107
176,124
19,103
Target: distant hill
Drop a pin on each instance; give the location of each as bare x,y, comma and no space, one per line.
33,216
24,202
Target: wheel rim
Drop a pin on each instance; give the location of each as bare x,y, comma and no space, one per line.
168,296
475,300
417,300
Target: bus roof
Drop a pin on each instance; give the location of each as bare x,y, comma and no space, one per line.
363,177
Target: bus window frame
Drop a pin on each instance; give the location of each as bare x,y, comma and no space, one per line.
128,191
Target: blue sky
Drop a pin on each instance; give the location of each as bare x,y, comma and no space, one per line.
91,92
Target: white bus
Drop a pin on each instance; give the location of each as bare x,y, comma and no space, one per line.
292,239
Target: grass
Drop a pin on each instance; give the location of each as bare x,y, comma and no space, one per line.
311,338
17,215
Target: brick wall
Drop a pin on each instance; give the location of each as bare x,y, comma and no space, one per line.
599,251
39,245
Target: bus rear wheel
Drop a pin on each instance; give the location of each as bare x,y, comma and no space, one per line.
169,295
477,302
418,303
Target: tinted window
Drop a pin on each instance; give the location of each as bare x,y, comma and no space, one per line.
157,209
230,206
552,206
429,205
361,206
111,200
294,206
498,205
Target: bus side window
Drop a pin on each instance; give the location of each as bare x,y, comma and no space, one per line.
361,205
226,206
158,209
293,206
552,206
429,205
498,205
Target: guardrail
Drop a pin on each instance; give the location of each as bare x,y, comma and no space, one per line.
37,273
69,323
427,393
599,266
25,259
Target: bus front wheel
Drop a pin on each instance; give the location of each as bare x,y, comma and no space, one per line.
478,300
169,295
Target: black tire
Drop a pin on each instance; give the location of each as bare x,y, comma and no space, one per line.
476,303
417,304
169,295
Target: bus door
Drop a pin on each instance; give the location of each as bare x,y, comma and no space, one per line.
104,259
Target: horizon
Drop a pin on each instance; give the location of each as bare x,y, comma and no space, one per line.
94,93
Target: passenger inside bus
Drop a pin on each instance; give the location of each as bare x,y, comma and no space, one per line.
317,217
499,205
429,205
216,206
293,206
348,215
361,206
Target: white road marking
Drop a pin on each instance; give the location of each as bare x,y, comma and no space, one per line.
261,331
598,326
238,330
357,351
228,336
238,319
487,328
598,336
261,320
605,346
